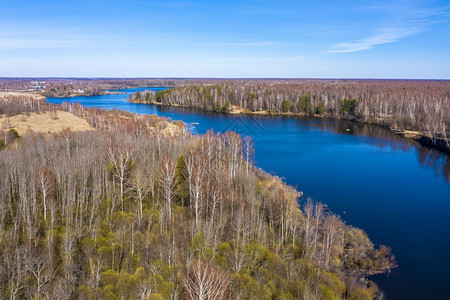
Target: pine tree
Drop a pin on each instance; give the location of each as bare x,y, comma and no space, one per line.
181,187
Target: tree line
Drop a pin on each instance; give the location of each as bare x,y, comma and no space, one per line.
11,104
65,87
422,106
126,213
17,104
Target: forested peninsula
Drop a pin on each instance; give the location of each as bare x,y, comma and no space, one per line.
419,110
137,207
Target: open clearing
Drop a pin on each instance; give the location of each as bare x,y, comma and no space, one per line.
6,95
43,122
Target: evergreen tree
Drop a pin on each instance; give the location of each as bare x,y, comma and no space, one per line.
304,103
285,106
226,106
181,187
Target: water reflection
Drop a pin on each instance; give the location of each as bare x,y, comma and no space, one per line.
383,137
433,159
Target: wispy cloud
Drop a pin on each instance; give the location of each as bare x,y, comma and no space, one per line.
407,21
25,43
385,36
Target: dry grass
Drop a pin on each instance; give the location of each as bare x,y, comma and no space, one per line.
239,110
168,129
171,129
6,95
43,122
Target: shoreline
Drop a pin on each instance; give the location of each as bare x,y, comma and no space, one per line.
414,136
86,95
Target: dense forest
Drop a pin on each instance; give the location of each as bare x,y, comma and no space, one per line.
127,212
422,106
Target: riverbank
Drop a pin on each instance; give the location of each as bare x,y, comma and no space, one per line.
421,138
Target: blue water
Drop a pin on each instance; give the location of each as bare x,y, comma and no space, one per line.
395,190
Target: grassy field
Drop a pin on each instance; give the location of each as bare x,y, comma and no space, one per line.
6,95
44,123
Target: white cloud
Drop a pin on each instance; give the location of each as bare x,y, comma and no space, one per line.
385,36
27,43
407,19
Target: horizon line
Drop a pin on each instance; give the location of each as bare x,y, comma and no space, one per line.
225,78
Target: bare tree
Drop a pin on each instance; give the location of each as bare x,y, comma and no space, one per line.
248,151
167,182
196,169
121,160
45,183
205,281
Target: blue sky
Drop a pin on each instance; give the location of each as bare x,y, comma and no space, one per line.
303,39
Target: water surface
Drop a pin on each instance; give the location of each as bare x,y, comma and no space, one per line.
395,190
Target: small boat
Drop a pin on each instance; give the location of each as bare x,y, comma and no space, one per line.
195,123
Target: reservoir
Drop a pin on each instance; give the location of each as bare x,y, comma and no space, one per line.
395,190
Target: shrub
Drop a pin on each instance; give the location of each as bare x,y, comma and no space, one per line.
14,133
